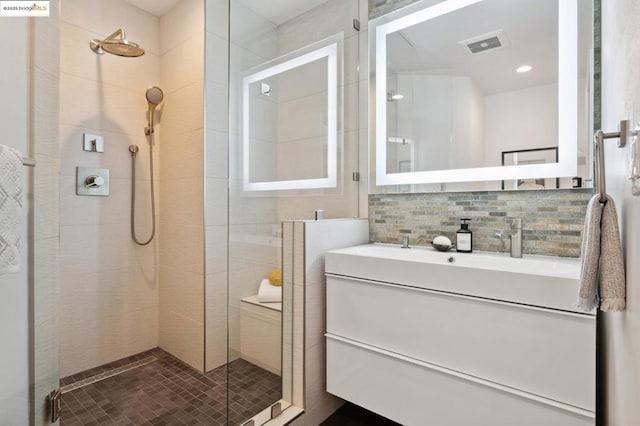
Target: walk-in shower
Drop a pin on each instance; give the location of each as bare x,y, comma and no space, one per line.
116,44
154,96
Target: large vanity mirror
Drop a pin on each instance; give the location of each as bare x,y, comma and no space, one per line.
482,95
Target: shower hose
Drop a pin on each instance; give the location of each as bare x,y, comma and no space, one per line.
134,151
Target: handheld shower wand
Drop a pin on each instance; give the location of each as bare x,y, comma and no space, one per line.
154,95
154,98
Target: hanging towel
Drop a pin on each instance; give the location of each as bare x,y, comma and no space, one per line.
602,278
268,293
10,208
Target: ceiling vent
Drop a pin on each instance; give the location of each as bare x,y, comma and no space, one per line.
485,42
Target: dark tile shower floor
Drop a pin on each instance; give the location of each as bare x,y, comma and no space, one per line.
165,391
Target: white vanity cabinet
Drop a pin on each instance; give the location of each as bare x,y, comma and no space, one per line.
422,352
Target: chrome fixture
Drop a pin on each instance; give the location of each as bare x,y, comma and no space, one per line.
92,181
598,140
92,143
405,241
116,44
392,96
155,96
498,234
516,238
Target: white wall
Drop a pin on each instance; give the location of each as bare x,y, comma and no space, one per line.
14,288
443,116
181,144
109,290
520,119
425,115
621,100
216,178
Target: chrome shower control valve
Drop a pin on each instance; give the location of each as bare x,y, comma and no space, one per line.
94,181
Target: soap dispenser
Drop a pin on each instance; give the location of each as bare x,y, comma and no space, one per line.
464,237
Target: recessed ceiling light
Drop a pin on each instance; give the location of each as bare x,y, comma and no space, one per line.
524,68
397,96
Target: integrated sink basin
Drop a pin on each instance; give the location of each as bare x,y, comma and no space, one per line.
543,281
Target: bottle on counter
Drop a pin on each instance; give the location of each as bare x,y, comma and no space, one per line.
464,237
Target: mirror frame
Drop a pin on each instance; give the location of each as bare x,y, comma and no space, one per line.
567,102
331,53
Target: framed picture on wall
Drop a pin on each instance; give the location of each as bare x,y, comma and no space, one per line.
530,156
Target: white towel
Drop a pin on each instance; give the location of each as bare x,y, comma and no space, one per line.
268,293
602,279
10,208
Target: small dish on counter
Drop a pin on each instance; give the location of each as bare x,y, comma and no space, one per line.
441,243
441,247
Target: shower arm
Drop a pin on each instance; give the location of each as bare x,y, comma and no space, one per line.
117,33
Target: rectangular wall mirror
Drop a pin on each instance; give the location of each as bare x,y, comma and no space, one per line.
276,135
456,83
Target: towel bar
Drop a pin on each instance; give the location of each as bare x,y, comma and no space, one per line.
29,162
598,139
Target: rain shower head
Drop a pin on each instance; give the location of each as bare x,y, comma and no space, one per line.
154,96
117,44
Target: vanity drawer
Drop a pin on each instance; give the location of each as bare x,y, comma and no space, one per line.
413,393
540,351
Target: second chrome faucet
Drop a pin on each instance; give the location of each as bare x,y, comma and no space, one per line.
516,237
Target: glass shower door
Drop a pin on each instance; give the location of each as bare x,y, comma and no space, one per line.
293,149
43,242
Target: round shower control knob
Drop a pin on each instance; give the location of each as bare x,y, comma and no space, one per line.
94,181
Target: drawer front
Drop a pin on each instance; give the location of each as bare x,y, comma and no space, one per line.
543,352
413,394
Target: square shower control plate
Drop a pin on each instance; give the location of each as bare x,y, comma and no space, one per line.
92,181
93,143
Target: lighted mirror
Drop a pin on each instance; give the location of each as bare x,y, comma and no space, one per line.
460,82
290,120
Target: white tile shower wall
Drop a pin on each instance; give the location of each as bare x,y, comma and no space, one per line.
14,288
109,289
621,100
181,251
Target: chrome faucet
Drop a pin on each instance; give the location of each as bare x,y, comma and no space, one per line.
516,237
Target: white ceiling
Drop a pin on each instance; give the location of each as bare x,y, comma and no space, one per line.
531,27
155,7
276,11
280,11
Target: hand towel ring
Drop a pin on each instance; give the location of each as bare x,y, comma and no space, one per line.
598,140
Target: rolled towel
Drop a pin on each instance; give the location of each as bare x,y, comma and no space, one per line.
612,287
602,278
588,295
268,293
11,192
